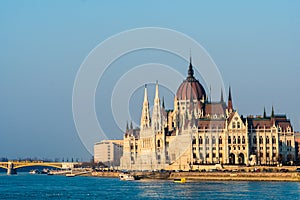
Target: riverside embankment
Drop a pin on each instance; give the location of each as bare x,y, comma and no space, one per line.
212,176
238,176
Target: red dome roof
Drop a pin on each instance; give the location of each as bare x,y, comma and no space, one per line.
190,89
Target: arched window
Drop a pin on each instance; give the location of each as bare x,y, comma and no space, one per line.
254,139
220,140
213,140
194,141
158,143
267,140
243,140
207,140
238,125
273,140
260,139
239,140
200,140
234,140
233,124
229,140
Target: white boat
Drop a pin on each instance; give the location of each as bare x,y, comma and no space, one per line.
70,175
126,177
35,171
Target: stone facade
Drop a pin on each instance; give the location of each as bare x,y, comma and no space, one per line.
198,131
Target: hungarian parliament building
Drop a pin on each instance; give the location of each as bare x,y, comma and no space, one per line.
198,131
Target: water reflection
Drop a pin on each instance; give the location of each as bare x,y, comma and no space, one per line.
25,186
218,190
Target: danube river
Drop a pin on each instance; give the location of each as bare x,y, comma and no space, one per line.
26,186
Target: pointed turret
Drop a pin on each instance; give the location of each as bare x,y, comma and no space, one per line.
127,127
145,94
156,114
222,98
190,71
156,92
229,96
145,118
230,107
163,103
265,114
131,126
210,93
273,116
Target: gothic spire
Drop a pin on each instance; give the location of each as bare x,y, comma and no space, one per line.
229,96
163,103
272,114
230,107
145,94
145,118
127,127
265,114
222,98
156,114
156,90
131,126
190,71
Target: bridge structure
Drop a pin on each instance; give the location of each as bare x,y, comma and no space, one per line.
12,166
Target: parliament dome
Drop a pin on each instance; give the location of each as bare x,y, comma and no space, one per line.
190,88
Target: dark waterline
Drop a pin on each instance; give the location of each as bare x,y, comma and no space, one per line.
26,186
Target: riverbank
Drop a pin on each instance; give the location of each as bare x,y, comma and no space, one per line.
212,176
238,176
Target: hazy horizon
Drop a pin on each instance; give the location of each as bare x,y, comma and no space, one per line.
255,45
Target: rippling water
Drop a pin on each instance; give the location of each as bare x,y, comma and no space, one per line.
26,186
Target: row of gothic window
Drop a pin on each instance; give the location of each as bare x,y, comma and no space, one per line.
238,148
207,155
236,141
207,148
261,141
207,140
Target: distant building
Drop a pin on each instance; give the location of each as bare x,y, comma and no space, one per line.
108,152
198,131
67,165
297,146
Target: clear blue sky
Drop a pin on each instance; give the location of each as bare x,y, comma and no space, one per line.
255,44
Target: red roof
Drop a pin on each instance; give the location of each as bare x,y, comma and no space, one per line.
214,124
190,90
215,108
268,122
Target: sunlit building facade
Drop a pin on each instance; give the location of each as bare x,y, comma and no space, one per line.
108,152
198,131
